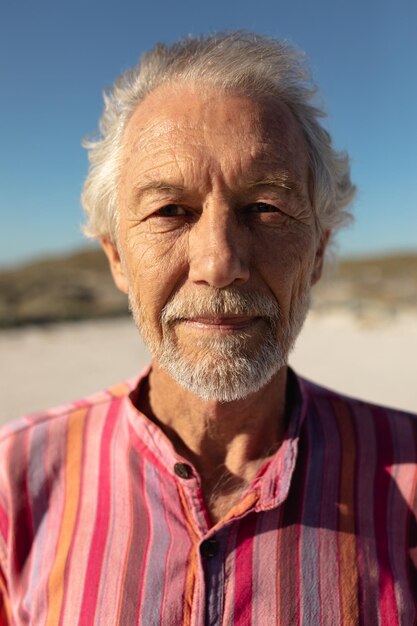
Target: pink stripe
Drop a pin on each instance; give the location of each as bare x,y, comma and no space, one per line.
298,535
388,604
265,566
114,553
174,580
147,544
57,433
141,447
25,464
68,591
101,522
119,531
328,545
229,575
179,579
84,528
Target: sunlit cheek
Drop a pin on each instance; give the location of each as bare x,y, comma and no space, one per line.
157,267
155,250
284,249
302,280
285,263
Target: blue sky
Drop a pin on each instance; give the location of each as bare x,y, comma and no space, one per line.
57,56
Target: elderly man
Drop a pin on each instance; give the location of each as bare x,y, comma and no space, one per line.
217,488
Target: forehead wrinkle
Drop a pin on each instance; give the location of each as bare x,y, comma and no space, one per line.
173,164
175,130
262,149
157,126
160,188
232,182
171,178
173,137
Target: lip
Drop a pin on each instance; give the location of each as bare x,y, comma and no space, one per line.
227,323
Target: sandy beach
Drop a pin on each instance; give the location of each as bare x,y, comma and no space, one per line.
45,366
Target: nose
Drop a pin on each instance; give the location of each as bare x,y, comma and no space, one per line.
218,249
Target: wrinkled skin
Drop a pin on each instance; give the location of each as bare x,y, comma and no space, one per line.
214,193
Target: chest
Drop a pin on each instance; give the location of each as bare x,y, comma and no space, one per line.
152,567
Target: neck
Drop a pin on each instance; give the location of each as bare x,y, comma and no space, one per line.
225,442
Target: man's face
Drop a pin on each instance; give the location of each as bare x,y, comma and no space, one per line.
217,236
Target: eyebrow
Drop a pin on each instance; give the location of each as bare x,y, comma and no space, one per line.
281,180
157,187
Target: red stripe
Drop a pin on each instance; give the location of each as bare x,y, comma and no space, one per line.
177,588
289,602
141,447
247,569
98,542
383,481
4,524
243,571
298,591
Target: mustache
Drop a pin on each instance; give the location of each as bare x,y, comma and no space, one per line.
217,302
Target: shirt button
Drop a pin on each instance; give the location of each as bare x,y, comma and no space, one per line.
183,470
209,548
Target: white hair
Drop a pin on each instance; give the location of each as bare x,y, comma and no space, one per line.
246,63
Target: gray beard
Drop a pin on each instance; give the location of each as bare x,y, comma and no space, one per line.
228,367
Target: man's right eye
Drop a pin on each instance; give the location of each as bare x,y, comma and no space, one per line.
171,210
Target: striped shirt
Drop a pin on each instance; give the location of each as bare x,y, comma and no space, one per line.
102,523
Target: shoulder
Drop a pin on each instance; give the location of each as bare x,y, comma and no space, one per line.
44,455
322,396
61,414
45,437
388,432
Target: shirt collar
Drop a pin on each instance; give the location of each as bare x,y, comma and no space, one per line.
274,479
272,482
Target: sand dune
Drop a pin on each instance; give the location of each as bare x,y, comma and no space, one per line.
44,366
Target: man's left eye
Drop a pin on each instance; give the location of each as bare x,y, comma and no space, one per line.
262,207
171,210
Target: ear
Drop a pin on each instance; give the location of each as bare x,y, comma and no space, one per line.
116,265
319,258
